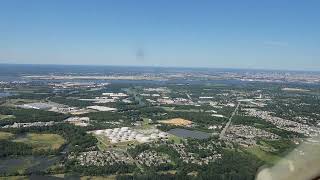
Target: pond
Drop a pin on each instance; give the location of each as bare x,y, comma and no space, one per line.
27,164
184,133
5,94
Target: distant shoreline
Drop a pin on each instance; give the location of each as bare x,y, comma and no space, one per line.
164,67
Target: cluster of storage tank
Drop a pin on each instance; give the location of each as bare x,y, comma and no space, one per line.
124,134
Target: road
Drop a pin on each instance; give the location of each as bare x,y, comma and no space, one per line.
189,96
223,132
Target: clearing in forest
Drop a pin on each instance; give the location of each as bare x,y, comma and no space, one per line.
177,122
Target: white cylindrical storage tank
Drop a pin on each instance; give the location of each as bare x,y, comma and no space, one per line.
108,130
132,134
162,134
138,139
118,136
124,128
154,136
114,140
144,139
111,137
139,136
98,132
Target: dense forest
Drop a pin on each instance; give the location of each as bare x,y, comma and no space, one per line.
77,138
29,115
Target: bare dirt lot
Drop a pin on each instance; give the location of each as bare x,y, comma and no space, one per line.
177,122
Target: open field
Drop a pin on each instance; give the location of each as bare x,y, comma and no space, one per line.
176,139
13,102
145,124
5,135
262,155
172,109
111,177
42,141
14,178
2,117
177,122
104,143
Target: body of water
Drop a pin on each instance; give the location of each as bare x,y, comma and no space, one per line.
5,94
184,133
27,163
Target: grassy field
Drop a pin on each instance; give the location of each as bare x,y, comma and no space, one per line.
104,143
146,124
176,139
42,141
172,109
263,155
13,102
2,117
14,178
5,135
111,177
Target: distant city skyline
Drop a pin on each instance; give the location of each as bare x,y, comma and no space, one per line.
275,34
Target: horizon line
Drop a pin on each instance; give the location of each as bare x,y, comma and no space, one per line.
167,66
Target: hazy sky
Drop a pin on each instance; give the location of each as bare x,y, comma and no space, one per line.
272,34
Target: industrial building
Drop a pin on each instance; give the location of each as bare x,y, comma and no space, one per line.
125,134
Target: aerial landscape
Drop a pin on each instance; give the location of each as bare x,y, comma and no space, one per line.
170,122
159,90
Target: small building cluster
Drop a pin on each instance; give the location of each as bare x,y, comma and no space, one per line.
188,157
175,101
250,132
24,125
78,121
98,158
247,135
78,85
152,158
110,98
39,106
102,108
285,124
55,107
115,94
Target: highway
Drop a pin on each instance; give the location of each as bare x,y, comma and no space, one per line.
223,132
189,96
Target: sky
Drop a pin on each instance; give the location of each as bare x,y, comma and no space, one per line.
266,34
